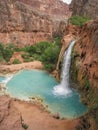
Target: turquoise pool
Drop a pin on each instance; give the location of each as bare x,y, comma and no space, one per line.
35,83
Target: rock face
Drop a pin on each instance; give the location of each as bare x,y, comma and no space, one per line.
84,68
51,7
10,118
22,23
85,8
87,51
21,115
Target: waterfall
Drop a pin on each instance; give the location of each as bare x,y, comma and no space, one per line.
6,80
64,87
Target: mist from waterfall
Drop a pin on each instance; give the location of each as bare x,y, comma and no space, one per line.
64,87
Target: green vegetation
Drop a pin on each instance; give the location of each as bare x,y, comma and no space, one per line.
78,20
6,51
44,51
25,126
16,61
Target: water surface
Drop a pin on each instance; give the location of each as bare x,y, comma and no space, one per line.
35,83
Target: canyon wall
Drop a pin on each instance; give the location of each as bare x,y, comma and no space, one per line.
22,23
86,50
51,7
84,68
85,8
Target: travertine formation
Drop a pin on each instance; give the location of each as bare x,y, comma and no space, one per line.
87,50
85,8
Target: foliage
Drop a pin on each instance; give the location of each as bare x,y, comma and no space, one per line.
16,61
50,56
25,126
78,20
7,51
25,56
44,51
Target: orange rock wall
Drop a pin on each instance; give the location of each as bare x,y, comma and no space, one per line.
27,22
87,49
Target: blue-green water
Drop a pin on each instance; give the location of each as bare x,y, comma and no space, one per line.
2,79
35,83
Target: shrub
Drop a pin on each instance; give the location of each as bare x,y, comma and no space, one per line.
41,46
50,57
16,61
31,49
7,51
25,126
25,56
49,67
78,20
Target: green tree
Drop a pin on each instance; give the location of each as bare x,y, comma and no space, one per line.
78,20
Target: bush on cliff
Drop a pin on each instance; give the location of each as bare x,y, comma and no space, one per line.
78,20
16,61
7,51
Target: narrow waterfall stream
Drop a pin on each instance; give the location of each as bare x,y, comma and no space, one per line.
64,87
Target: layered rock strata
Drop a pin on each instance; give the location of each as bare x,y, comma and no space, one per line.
84,69
85,8
28,22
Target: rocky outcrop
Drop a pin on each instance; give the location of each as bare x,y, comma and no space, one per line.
10,118
22,115
18,67
65,43
84,69
85,8
87,51
22,23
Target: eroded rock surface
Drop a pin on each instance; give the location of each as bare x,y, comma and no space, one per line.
10,118
84,70
85,8
15,113
27,22
87,50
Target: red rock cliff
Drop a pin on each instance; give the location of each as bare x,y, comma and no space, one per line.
27,22
87,50
85,8
21,25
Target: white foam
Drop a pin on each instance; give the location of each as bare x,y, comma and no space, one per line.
6,80
64,88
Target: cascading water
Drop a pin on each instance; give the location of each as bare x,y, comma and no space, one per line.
6,80
64,88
